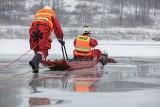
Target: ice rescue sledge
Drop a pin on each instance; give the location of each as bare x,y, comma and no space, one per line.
68,64
64,64
71,64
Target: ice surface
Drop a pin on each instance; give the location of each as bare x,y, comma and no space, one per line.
114,48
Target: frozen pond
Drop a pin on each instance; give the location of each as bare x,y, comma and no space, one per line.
133,82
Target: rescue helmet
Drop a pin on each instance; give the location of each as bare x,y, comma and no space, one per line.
47,7
87,30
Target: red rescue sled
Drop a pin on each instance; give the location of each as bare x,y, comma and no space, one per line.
68,65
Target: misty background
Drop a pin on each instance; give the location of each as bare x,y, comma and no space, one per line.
110,19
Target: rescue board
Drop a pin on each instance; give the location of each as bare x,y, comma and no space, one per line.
63,64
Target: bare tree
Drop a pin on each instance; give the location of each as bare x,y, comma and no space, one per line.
12,10
121,11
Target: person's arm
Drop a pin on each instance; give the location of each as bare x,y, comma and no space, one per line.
74,42
93,42
57,29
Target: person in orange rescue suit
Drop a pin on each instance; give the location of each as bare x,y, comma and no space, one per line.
84,47
40,41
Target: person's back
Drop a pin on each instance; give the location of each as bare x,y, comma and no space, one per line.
40,41
84,45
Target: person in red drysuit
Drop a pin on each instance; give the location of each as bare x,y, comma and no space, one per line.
40,41
84,47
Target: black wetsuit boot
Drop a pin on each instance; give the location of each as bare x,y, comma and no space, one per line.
34,63
103,60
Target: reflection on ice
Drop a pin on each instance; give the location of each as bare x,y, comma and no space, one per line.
36,82
85,81
39,101
109,78
130,83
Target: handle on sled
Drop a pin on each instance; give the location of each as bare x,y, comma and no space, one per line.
65,56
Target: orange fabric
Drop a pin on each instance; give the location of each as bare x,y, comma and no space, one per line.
48,11
82,47
82,86
76,53
45,15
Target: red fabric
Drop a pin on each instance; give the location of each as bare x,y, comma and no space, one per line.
96,53
40,32
74,42
57,28
111,60
42,37
93,42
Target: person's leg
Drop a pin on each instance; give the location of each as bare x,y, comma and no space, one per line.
103,60
34,63
44,43
74,55
98,54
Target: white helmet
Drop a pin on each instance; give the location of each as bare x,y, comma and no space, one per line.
48,7
87,29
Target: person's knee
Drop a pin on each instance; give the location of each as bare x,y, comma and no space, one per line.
44,53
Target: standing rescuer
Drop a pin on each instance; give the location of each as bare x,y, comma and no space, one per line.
40,41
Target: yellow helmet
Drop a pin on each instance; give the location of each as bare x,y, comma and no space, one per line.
48,7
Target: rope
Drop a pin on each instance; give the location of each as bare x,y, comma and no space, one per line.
18,75
17,83
14,76
21,82
20,57
24,53
15,60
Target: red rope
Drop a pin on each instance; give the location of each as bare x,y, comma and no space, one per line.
15,60
19,57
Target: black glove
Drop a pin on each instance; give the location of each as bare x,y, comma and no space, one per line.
62,42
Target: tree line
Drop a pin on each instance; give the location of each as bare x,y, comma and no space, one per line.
96,13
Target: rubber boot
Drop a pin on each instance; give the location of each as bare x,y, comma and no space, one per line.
34,63
103,60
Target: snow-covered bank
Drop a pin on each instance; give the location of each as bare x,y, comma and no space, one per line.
22,32
114,48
